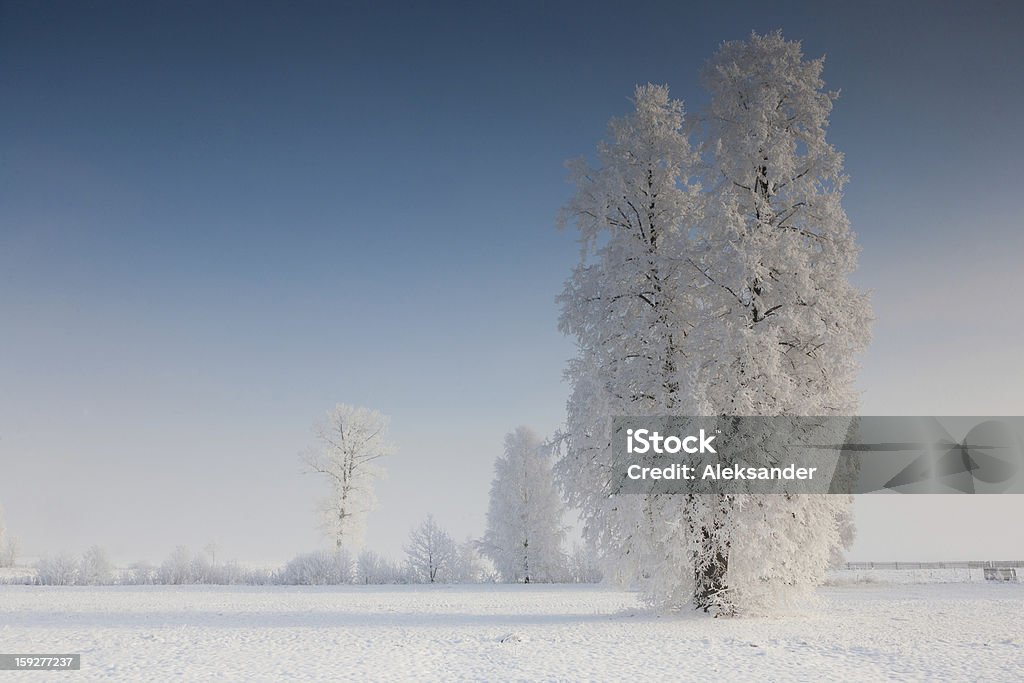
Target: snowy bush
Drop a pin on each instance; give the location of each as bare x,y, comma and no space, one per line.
17,577
204,571
368,567
372,568
468,566
178,568
94,569
582,565
139,574
60,570
235,574
184,567
318,569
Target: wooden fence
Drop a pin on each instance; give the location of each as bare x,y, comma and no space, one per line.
988,564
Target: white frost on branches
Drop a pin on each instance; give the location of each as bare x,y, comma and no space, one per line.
349,442
432,553
8,545
709,286
524,519
628,306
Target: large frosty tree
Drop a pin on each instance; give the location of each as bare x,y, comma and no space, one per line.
629,305
758,318
349,442
524,520
786,323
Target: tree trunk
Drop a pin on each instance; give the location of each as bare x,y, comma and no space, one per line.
709,579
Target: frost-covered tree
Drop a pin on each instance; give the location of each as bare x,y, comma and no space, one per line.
756,316
211,550
349,442
785,324
59,570
319,568
8,545
468,566
847,534
178,568
369,567
141,573
432,553
582,565
372,568
629,304
95,569
9,552
524,520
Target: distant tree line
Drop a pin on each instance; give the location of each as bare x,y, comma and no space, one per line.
432,557
524,542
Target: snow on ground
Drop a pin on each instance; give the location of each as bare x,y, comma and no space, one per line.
861,632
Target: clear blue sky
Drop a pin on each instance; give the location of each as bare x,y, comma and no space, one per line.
217,219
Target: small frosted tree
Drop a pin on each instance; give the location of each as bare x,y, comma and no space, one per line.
8,545
318,568
211,550
372,568
141,573
9,552
59,570
95,569
468,566
178,568
582,565
369,567
847,535
524,519
349,443
432,553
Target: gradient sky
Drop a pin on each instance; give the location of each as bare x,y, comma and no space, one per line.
218,219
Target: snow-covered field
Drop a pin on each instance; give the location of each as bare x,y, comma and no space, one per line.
970,631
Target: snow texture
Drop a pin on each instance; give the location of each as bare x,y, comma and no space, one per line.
507,632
